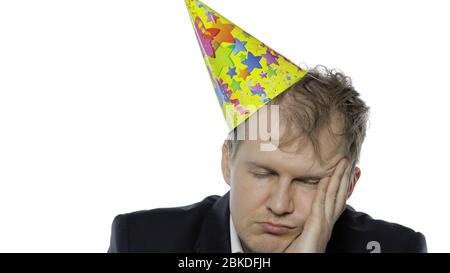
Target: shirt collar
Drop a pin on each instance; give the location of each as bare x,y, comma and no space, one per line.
236,246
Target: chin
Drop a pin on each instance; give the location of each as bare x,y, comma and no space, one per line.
266,243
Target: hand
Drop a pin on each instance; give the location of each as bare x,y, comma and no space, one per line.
329,203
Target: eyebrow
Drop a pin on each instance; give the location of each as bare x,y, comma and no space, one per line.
307,177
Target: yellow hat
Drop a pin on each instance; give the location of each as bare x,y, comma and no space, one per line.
246,73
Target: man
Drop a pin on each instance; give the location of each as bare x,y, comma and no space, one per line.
288,200
289,196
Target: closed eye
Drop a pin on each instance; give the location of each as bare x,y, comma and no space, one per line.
262,175
303,181
308,182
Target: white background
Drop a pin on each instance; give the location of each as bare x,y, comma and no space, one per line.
106,107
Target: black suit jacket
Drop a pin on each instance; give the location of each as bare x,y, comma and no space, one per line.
204,227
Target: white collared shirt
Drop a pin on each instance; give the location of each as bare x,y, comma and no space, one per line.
236,246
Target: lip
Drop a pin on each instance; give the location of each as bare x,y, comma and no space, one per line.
275,229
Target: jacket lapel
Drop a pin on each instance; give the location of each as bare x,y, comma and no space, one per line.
214,236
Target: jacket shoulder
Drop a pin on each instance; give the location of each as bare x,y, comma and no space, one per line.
159,230
359,232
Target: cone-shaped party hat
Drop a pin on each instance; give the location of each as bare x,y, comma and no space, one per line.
246,73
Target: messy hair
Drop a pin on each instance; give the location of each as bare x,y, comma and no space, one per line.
307,107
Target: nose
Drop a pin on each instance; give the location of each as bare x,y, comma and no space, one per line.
280,201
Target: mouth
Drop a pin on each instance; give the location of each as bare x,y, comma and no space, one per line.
274,229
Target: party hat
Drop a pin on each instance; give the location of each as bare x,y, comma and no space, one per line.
246,73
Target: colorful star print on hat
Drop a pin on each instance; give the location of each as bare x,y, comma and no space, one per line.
246,73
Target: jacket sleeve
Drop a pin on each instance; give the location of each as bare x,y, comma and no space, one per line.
119,235
417,243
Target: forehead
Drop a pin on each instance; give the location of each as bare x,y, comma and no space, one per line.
303,160
299,155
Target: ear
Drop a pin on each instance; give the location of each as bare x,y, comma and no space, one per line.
354,180
225,164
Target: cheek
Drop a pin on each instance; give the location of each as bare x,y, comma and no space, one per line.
303,202
247,194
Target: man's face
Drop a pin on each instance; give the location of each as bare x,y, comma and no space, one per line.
272,191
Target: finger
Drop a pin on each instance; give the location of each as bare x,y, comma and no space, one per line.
319,199
341,198
335,182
